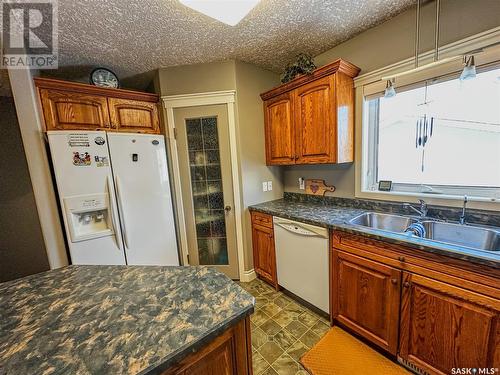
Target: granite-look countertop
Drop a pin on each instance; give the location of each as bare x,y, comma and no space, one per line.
113,319
337,218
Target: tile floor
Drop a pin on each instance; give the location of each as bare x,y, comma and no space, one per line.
282,331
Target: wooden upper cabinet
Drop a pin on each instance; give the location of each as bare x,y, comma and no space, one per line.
66,110
310,120
314,122
280,133
365,298
445,327
133,115
77,106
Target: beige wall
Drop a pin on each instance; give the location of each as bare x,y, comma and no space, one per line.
191,79
248,81
391,42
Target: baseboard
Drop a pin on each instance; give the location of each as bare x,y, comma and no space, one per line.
248,276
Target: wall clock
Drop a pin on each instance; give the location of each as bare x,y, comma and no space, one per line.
103,77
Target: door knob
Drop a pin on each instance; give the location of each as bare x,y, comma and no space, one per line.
394,281
406,284
227,208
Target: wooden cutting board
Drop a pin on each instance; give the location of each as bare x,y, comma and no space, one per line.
318,187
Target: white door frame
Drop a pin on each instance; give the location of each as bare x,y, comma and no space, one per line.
194,100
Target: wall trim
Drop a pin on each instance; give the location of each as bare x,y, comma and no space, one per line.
248,276
171,102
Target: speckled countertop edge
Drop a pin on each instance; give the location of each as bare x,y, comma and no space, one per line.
190,348
336,218
74,302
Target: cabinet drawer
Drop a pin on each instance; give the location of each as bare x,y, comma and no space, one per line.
262,219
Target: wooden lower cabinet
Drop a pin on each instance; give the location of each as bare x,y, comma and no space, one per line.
366,298
433,312
264,254
445,327
228,354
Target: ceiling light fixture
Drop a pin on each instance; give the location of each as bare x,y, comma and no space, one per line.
390,91
231,12
469,71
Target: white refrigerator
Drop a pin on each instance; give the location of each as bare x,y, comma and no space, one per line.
115,197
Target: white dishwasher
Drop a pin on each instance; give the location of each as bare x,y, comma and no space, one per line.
302,260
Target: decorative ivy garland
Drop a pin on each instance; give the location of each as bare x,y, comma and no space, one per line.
304,64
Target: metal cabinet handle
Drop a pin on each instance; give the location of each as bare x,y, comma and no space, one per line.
227,208
394,281
406,284
401,259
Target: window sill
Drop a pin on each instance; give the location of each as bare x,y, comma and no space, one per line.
485,203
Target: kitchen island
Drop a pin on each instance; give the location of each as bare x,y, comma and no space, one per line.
124,320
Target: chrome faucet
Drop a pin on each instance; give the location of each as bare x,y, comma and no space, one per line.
464,208
423,208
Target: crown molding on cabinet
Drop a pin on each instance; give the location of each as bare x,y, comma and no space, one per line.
338,65
80,87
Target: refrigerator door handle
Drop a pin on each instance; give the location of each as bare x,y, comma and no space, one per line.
121,212
113,211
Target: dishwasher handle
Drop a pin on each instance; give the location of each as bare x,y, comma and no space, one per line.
297,229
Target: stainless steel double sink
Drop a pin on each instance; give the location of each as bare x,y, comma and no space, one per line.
470,236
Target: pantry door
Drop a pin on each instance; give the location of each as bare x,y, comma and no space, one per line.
207,188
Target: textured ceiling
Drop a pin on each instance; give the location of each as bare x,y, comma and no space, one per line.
134,38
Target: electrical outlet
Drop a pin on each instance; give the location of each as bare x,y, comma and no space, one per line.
264,186
302,183
269,185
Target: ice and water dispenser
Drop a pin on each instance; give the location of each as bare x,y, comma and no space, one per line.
88,216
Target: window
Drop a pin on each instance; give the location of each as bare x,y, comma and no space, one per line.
441,136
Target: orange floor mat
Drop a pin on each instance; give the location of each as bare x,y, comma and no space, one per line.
339,353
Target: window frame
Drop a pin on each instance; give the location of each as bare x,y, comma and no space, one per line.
367,185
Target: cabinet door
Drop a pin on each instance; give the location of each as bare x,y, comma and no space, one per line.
228,354
133,116
218,362
264,256
366,298
68,110
314,122
445,327
280,133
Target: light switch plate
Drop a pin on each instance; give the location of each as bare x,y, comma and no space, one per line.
269,185
264,186
302,183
